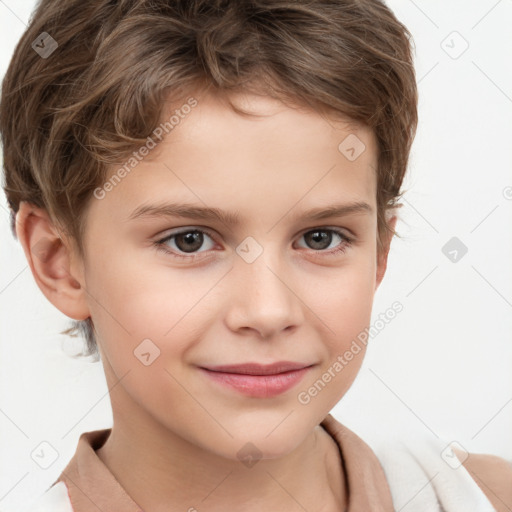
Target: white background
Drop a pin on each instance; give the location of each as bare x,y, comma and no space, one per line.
442,367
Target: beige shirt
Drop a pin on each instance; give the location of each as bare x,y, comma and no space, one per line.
87,484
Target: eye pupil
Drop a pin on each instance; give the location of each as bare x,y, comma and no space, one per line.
319,238
193,241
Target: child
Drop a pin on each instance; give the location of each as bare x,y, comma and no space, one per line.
132,129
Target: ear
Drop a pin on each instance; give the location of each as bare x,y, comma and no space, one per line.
52,262
382,259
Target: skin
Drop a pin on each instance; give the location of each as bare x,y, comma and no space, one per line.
176,433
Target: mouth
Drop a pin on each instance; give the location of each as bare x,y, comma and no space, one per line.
258,380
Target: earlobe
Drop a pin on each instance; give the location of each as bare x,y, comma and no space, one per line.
50,261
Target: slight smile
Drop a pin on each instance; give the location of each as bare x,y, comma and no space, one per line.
257,380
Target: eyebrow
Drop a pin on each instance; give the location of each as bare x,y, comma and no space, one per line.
192,211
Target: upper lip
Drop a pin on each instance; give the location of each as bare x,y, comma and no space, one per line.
258,369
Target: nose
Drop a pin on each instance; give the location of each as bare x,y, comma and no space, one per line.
265,297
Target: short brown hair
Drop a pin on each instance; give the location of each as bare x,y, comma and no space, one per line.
65,119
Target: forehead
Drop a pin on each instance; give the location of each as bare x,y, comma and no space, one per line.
280,153
265,120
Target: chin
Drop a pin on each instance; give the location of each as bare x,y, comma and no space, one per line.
269,443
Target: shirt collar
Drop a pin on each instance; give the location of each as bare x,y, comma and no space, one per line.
90,482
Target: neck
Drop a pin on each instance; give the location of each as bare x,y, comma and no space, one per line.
162,471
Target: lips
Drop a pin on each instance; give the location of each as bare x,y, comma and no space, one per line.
259,369
258,380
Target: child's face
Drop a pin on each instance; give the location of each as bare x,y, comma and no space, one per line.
222,302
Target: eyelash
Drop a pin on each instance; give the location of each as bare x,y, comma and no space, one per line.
340,249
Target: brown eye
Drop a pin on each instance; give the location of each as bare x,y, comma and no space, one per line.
185,243
319,239
328,241
189,241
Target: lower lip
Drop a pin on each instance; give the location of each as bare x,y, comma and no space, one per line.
259,386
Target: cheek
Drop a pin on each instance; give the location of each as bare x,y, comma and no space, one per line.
343,300
343,303
130,303
145,327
